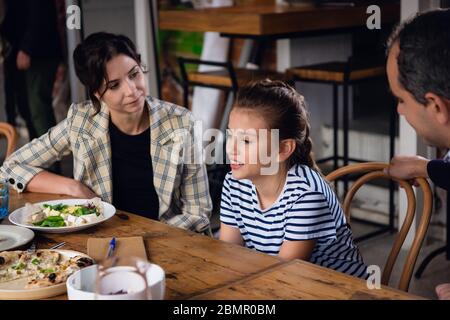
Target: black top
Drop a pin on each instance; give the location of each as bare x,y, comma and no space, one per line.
439,173
132,172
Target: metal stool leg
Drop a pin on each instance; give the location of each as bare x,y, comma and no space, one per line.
427,260
345,129
335,127
186,96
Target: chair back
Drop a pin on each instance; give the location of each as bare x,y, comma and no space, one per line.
10,133
374,170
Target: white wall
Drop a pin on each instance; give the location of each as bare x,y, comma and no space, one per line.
309,50
116,16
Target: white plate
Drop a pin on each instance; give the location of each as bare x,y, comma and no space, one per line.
14,290
19,217
13,236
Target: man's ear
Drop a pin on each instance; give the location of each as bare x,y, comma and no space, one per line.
439,106
287,147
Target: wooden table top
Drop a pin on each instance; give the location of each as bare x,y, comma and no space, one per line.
271,20
199,267
300,280
193,263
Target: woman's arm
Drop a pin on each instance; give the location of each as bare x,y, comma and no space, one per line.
25,169
297,250
196,205
47,182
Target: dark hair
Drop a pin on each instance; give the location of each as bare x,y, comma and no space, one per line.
282,108
90,58
424,58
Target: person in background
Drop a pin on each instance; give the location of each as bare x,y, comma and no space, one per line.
2,17
291,212
125,144
418,70
30,68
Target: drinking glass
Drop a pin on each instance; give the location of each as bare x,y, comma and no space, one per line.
4,198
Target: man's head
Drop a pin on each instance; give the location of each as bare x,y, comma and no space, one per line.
418,69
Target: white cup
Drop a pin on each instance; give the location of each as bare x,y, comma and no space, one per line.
156,281
122,283
82,284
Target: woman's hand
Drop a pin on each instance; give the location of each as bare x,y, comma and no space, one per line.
408,167
79,190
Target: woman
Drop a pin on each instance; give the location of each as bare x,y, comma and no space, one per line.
124,143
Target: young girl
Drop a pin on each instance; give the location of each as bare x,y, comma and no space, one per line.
292,212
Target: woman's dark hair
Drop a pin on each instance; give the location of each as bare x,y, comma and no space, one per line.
90,58
424,58
284,109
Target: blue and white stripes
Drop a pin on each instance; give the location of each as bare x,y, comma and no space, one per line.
306,209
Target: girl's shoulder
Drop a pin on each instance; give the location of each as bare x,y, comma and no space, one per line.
306,178
237,186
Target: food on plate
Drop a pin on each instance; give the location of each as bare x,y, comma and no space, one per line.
42,268
64,215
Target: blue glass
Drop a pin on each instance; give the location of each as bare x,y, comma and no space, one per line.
4,197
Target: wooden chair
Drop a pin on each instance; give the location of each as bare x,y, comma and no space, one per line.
10,133
374,170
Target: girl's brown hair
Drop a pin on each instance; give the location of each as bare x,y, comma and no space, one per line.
284,109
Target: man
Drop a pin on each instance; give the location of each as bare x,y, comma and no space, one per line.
418,69
30,67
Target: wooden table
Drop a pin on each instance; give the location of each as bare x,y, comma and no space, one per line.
193,263
302,280
200,267
278,20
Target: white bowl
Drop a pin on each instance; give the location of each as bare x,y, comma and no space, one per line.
81,285
20,216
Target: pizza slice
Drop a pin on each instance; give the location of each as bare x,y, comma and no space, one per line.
13,265
43,268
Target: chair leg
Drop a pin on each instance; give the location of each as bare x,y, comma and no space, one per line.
392,127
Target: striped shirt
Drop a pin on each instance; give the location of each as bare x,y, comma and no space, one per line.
306,209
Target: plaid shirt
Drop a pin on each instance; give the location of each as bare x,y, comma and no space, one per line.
182,189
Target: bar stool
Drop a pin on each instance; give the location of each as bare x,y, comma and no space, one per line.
352,71
344,74
228,79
